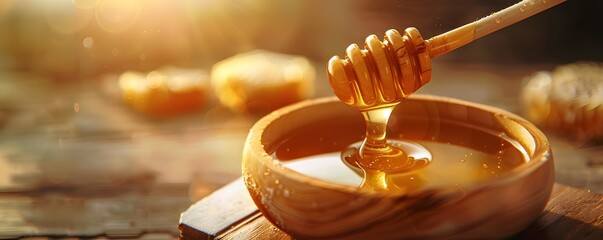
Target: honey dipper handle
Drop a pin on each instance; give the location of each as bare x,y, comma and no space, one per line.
461,36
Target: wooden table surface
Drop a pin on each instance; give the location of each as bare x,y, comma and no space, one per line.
229,213
104,171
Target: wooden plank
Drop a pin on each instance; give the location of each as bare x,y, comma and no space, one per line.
259,228
570,214
230,214
219,213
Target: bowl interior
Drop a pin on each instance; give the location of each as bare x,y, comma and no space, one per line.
326,125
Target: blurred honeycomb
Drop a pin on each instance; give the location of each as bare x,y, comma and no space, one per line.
165,92
262,81
568,100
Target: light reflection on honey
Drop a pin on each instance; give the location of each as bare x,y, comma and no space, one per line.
473,156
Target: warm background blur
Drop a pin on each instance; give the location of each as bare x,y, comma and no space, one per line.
74,39
76,161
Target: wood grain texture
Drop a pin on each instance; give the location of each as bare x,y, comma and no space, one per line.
220,212
570,214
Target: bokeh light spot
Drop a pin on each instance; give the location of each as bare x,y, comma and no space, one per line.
88,42
155,80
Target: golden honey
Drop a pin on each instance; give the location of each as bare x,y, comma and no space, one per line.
373,80
462,155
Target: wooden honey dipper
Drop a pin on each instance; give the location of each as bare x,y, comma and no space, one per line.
376,78
386,72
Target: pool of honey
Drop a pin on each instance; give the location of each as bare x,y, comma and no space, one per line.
462,154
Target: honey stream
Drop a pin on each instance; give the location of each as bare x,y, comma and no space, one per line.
377,157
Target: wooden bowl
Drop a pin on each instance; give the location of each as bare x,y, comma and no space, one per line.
307,207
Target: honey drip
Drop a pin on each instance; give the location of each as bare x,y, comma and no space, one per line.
377,158
374,80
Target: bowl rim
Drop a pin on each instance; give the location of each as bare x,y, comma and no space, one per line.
253,145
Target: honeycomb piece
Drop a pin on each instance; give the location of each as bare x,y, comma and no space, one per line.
165,92
262,81
568,100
